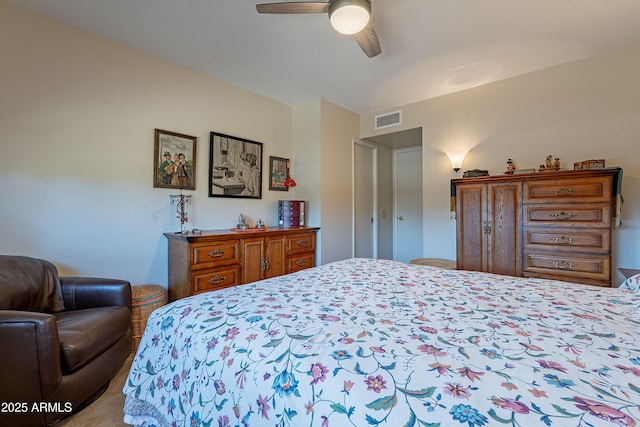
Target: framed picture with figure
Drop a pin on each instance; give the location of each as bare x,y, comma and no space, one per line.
235,167
278,173
174,163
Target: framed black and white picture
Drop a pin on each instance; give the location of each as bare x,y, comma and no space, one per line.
235,167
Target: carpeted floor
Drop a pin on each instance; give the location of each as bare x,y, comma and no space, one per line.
107,409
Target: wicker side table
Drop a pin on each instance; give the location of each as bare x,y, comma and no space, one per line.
145,299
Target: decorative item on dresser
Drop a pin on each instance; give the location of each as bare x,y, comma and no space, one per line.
291,213
182,203
215,259
555,225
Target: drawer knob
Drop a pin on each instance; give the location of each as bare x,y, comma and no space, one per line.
563,191
301,242
217,253
301,262
215,280
563,240
564,264
563,215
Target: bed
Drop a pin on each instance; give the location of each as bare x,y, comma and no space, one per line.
365,342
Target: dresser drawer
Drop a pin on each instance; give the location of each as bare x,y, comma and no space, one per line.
596,189
577,215
304,242
591,240
217,279
596,267
300,262
207,255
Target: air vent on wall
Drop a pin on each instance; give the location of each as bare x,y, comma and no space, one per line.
389,119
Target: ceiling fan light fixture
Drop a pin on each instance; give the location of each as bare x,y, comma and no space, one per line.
349,16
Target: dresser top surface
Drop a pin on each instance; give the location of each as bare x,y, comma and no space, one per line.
561,174
233,233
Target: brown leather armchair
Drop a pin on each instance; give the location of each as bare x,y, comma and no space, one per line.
62,339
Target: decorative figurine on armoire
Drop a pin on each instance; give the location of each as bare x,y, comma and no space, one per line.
510,167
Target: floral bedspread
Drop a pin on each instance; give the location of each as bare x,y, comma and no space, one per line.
372,342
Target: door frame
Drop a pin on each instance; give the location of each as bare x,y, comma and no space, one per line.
374,214
395,195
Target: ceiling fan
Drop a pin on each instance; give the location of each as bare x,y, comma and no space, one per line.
350,17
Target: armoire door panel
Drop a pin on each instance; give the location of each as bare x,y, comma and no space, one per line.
470,216
504,241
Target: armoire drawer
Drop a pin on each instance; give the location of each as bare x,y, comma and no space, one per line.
217,279
207,255
590,240
578,215
594,189
596,267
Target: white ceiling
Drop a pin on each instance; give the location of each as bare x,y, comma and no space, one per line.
429,47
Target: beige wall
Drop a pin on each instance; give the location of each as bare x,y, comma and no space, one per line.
305,167
323,135
577,111
339,129
77,119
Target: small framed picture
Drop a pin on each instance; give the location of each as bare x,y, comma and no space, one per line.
235,167
278,173
174,163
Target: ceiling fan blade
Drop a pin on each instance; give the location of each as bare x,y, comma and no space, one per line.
368,41
294,7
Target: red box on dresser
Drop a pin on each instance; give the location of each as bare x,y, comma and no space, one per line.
291,213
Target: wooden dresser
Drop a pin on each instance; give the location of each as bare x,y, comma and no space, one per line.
216,259
554,225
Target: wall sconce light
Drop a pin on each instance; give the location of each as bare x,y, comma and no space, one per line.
349,16
456,159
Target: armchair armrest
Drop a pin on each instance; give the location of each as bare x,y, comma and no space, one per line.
90,292
29,356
